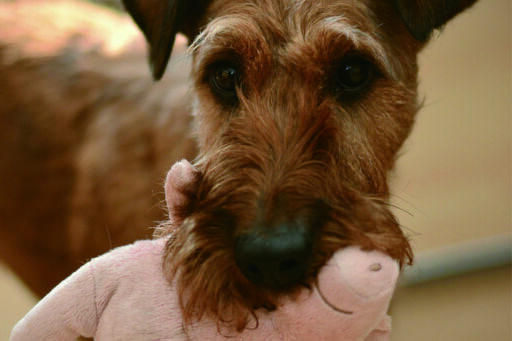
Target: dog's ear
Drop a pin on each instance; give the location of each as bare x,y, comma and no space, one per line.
422,17
160,21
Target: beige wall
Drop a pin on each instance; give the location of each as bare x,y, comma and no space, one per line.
15,301
455,174
453,180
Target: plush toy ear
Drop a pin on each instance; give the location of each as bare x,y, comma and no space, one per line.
422,17
160,21
181,186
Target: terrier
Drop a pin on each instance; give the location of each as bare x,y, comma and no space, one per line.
299,107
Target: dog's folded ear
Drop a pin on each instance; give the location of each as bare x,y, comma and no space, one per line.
422,17
160,21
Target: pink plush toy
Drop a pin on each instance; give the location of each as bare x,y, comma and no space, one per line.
123,295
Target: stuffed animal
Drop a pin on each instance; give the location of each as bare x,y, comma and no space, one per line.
124,295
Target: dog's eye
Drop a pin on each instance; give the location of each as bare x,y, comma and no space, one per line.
224,80
354,74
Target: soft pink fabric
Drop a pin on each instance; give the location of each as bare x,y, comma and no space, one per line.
123,295
181,174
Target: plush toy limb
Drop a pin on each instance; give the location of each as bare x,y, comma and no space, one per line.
67,312
357,286
74,307
180,179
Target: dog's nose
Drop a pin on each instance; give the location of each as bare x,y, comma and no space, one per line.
275,257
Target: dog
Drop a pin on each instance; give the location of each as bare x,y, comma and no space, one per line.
299,107
86,138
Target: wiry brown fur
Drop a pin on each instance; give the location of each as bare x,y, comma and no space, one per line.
291,147
85,138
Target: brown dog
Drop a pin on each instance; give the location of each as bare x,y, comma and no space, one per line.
85,136
300,109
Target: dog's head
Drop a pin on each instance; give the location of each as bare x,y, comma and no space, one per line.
301,108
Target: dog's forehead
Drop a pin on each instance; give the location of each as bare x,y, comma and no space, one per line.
294,26
288,8
285,20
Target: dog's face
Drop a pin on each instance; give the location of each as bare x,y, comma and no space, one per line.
301,108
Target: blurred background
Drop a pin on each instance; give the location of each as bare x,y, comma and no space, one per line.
453,185
452,188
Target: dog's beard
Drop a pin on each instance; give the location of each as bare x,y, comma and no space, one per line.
199,256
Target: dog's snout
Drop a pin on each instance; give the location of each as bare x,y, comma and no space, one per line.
275,257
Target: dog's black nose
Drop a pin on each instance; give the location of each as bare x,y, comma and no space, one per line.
275,257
